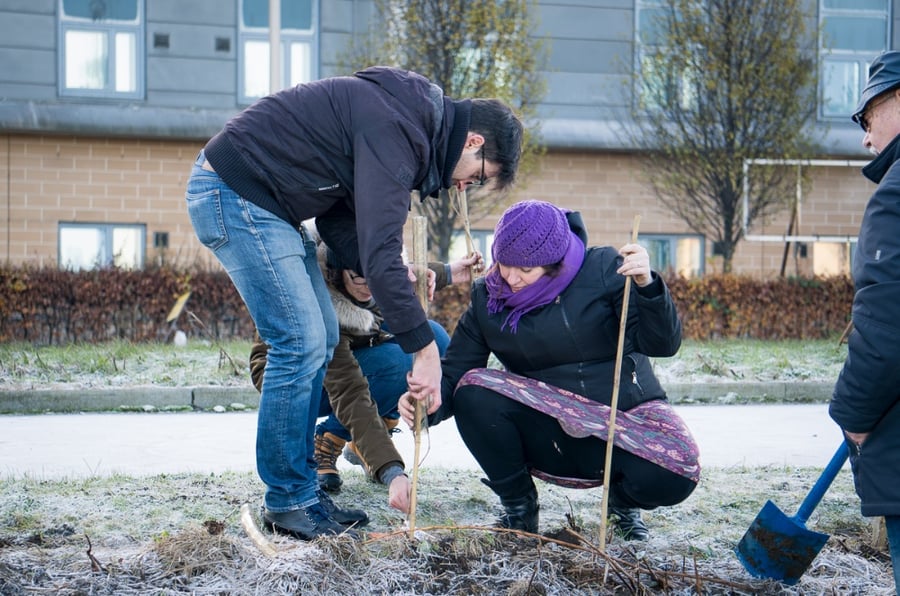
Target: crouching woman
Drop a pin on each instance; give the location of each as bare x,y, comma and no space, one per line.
549,310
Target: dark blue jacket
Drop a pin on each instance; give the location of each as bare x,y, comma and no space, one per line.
348,151
866,397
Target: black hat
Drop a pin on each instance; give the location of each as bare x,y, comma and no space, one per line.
884,75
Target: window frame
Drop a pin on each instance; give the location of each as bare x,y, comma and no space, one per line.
673,240
106,254
857,58
288,36
135,28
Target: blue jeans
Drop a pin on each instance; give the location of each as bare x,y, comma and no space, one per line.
273,266
385,367
892,524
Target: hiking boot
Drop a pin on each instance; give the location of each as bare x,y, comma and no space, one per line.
327,449
306,523
351,451
629,522
352,454
521,513
345,517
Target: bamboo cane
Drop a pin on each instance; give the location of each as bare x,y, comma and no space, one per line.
463,207
613,407
420,263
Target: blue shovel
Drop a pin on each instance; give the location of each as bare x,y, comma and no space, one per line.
780,547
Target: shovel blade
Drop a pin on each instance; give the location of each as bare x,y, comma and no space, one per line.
778,547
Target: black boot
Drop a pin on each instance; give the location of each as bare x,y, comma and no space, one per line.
519,498
628,521
521,513
307,523
345,517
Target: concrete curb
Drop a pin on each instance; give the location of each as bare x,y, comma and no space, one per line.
749,393
209,397
128,399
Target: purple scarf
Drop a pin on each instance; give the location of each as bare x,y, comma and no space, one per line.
543,291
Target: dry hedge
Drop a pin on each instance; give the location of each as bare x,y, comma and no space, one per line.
52,306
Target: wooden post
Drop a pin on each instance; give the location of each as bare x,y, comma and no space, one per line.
463,203
617,373
420,263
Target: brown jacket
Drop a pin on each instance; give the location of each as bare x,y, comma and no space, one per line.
345,383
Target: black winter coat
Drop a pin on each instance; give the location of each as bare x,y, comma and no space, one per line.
349,151
571,343
866,397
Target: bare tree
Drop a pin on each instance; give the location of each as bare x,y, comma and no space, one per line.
723,81
470,49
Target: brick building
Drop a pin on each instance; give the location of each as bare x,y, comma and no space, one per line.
102,116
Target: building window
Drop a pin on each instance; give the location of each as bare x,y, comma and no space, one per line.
482,240
832,258
299,57
96,245
658,87
853,33
102,48
679,254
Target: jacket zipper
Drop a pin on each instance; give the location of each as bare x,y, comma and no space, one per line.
562,309
634,378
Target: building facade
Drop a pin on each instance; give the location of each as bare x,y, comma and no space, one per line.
104,105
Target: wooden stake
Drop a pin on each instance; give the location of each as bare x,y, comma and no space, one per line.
262,543
420,263
614,404
463,206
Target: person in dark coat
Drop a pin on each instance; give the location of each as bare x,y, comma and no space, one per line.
866,399
549,309
343,149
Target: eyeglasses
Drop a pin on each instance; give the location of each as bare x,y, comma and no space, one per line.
866,119
481,179
356,279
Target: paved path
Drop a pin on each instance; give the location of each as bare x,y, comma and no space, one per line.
76,445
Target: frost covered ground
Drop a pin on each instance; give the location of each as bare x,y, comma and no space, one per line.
201,363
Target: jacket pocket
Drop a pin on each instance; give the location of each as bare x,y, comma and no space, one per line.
205,211
635,380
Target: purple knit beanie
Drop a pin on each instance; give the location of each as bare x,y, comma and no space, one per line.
531,234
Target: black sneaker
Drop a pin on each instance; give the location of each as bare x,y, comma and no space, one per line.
307,523
346,517
628,521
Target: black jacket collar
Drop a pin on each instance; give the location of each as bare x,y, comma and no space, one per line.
879,166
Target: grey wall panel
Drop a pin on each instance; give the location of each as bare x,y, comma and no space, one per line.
549,111
336,15
26,92
629,4
20,30
192,76
28,66
29,6
340,22
591,56
587,90
578,22
331,47
201,12
191,41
